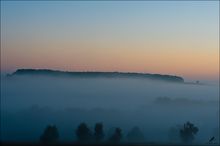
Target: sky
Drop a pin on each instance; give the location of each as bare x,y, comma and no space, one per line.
165,37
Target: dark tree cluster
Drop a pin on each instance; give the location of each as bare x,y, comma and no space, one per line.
187,132
99,133
50,134
84,135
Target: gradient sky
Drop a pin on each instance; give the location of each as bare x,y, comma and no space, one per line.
178,38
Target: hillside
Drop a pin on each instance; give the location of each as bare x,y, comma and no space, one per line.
47,72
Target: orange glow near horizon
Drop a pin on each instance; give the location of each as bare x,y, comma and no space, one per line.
188,63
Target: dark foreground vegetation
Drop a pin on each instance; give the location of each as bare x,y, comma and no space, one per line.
103,144
86,136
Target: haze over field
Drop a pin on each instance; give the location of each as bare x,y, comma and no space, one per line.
30,103
153,65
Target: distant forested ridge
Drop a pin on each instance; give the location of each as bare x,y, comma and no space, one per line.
47,72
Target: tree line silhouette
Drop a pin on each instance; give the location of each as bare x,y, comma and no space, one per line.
84,135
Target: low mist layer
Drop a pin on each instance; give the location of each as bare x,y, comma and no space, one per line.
29,104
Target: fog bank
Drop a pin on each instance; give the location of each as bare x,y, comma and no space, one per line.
28,104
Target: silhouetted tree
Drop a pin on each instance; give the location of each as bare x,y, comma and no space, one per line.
50,134
187,132
83,133
135,135
99,134
117,136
